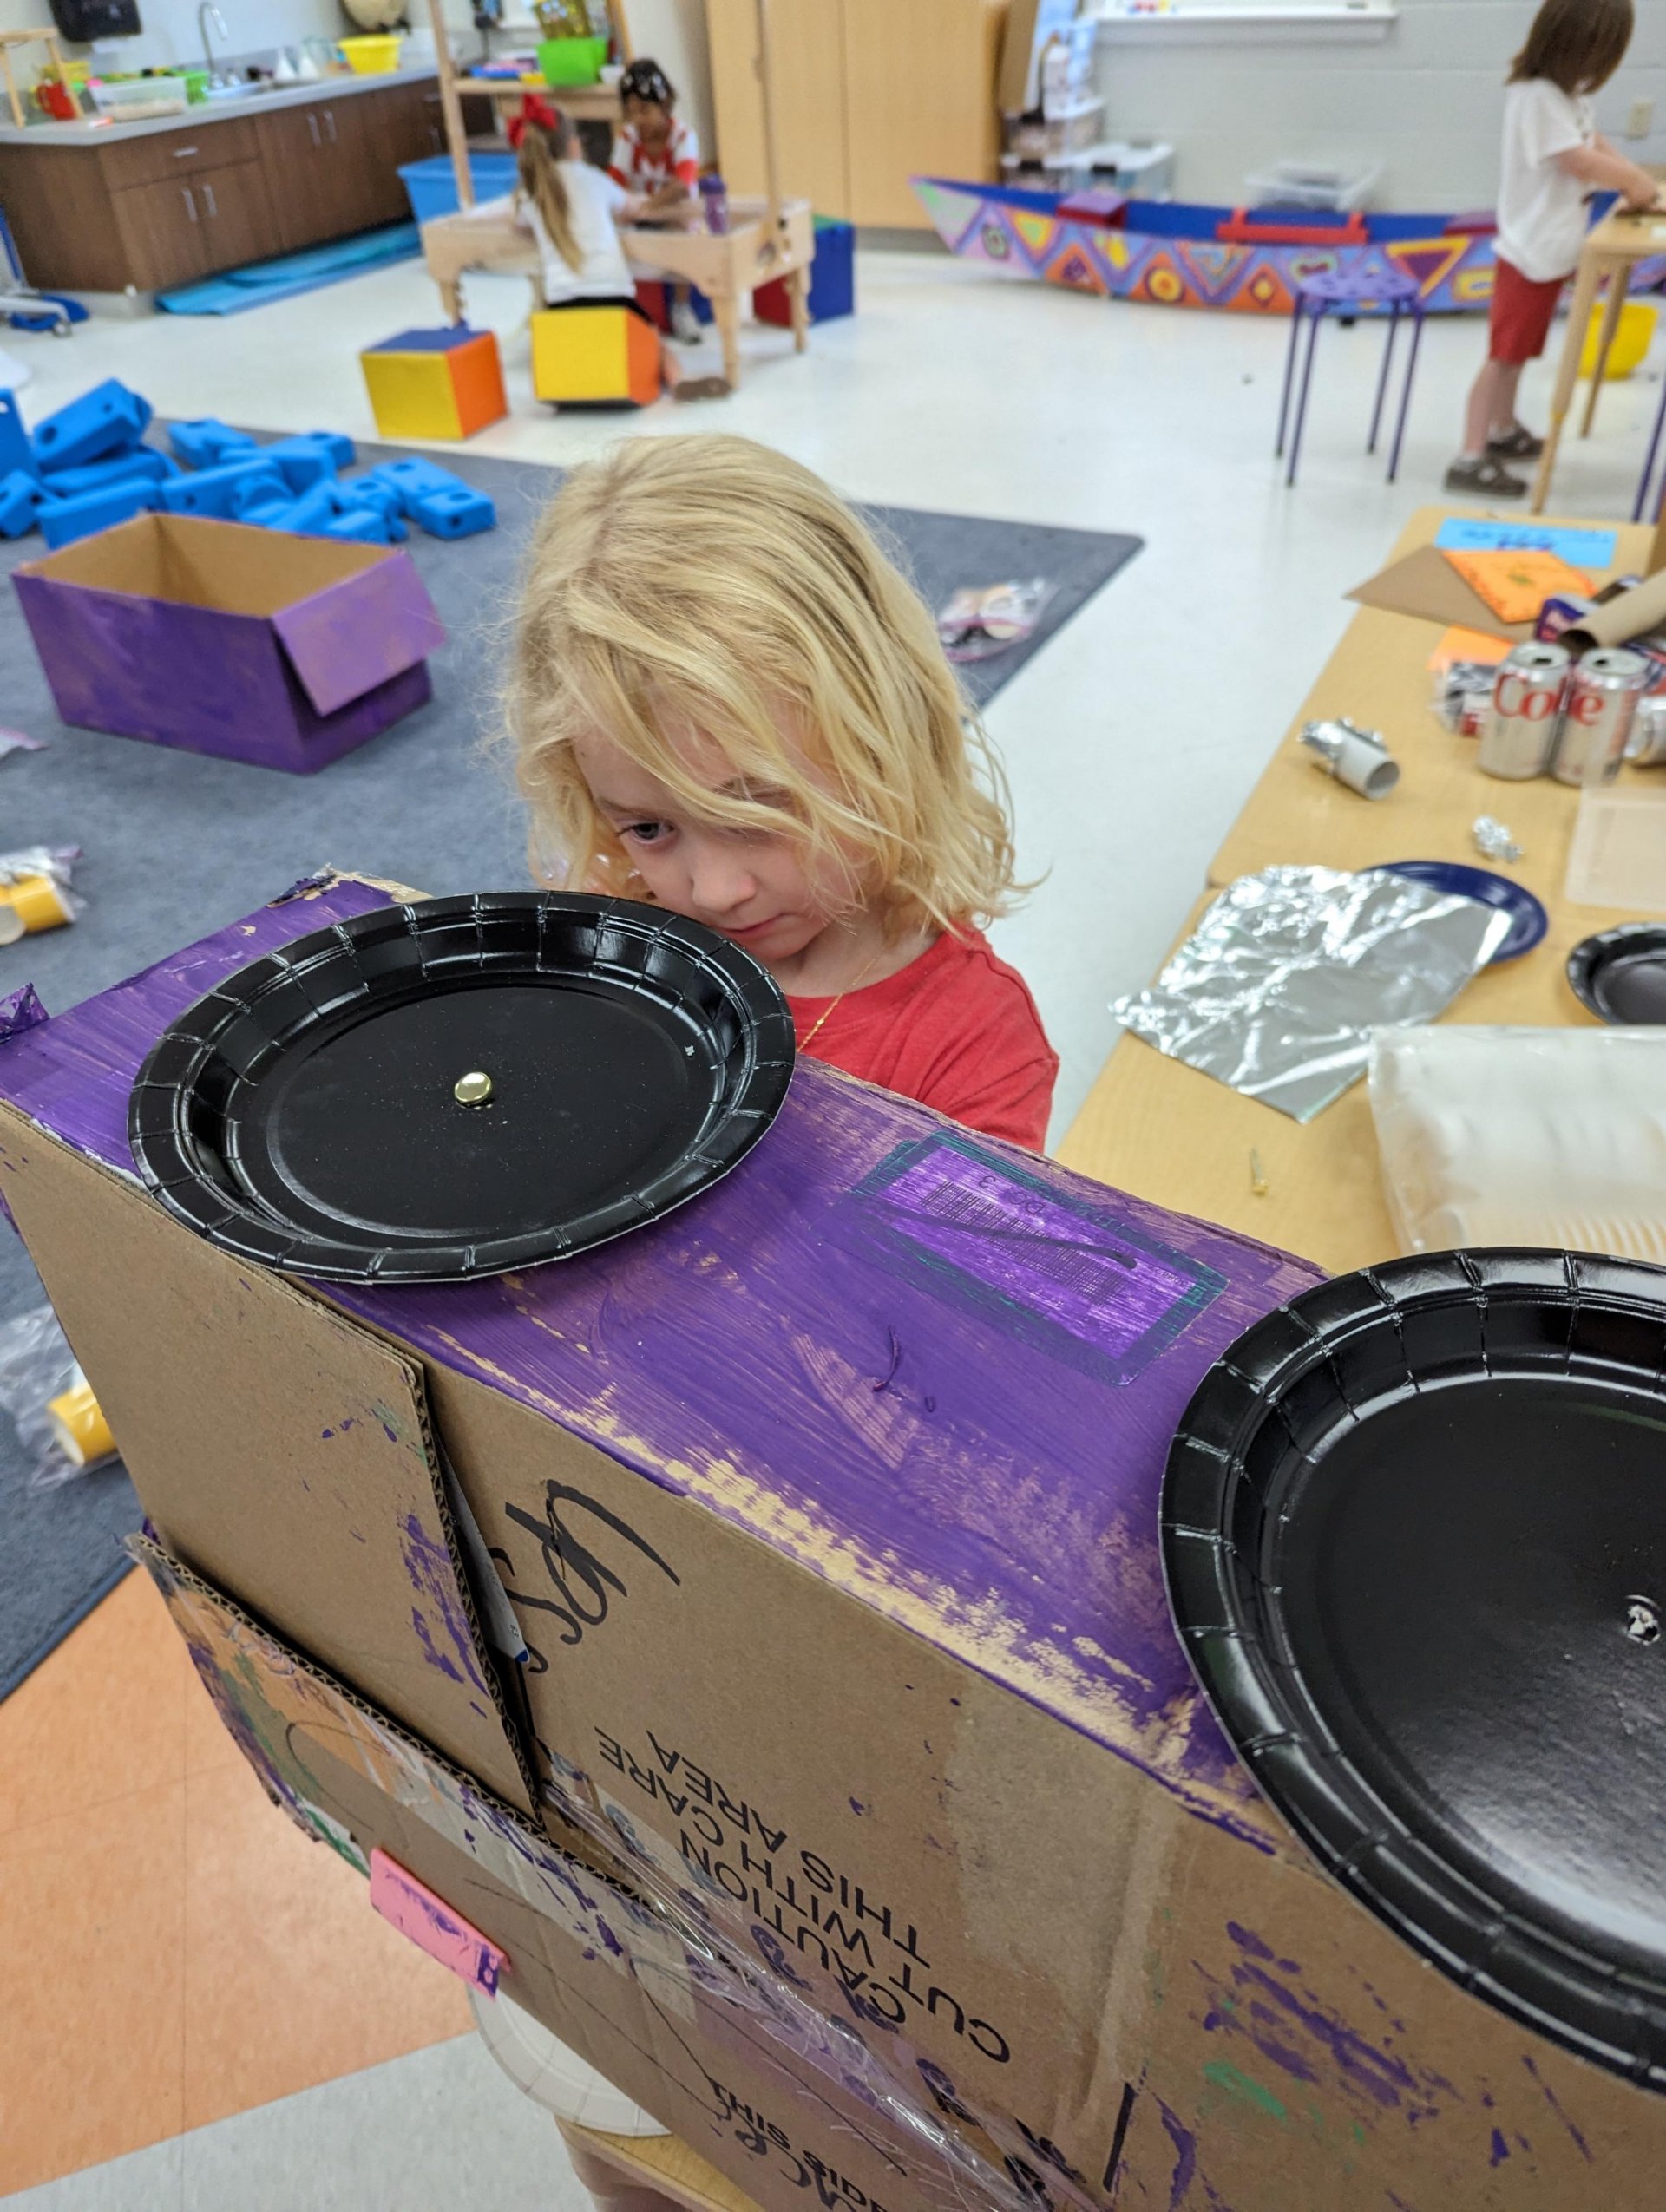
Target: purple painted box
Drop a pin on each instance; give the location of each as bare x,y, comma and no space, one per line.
217,637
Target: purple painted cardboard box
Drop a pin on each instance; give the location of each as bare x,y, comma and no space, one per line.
824,1512
216,638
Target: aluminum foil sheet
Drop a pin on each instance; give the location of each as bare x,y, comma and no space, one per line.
1277,990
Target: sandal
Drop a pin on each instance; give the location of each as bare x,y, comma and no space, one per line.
701,388
1517,443
1484,478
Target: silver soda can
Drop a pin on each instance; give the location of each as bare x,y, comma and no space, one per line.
1648,745
1521,734
1598,710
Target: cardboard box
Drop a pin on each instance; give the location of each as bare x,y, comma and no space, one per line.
219,638
827,1508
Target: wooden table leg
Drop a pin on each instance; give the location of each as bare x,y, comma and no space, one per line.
725,312
1611,311
1567,374
11,87
798,293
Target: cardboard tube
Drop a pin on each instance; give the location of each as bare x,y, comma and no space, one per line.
1618,620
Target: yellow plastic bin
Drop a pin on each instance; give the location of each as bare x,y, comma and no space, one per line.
372,56
1632,340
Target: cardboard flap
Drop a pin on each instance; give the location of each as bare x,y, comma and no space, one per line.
1425,585
358,634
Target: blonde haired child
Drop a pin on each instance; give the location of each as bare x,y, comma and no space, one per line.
726,700
570,209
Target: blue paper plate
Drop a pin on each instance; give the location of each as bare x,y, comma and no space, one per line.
1528,919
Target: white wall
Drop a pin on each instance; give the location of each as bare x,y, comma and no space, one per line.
170,29
673,33
1425,102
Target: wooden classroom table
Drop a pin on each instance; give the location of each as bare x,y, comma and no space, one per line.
664,2163
1163,1130
1611,251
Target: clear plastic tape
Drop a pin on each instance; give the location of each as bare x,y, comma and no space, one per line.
982,620
652,1930
1553,1137
37,1369
55,862
1277,990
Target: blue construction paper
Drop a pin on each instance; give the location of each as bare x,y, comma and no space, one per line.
1580,548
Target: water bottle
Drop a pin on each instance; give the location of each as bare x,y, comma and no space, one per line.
714,199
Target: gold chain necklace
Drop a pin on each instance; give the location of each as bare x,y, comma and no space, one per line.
824,1018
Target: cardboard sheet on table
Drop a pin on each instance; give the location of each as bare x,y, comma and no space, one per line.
1425,585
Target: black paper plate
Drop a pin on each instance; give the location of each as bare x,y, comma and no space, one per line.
1621,973
1414,1537
305,1114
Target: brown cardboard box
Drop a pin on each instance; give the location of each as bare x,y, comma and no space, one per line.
983,1831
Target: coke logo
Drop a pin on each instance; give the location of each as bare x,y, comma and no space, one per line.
1520,698
1586,707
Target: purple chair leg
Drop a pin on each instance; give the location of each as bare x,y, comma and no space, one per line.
1289,374
1406,395
1382,381
1644,481
1318,316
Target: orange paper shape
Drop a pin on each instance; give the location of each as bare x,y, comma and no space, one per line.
1467,644
1515,584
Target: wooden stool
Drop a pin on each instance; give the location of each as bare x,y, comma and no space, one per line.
49,38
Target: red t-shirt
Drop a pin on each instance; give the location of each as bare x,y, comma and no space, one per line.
956,1029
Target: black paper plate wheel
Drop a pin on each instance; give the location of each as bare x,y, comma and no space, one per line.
1414,1537
431,1092
1620,974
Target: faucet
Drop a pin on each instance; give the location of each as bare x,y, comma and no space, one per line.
207,13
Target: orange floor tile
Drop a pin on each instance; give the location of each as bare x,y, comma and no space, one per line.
175,1949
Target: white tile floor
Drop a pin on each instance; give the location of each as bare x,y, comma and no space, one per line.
1131,741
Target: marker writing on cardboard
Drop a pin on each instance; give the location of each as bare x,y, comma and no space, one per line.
577,1574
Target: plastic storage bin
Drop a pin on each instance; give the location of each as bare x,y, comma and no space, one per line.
372,56
1303,184
572,61
431,185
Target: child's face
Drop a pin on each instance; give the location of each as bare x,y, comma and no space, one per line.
650,123
765,892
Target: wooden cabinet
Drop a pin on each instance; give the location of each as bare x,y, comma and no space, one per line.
868,93
165,208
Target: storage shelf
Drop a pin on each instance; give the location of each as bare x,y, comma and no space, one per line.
1204,25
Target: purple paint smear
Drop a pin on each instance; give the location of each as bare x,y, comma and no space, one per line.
1580,2142
1500,2149
434,1576
1185,2156
1009,1496
1305,2039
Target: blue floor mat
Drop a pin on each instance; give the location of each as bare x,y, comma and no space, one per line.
266,281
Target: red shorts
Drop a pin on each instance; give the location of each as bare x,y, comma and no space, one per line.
1522,308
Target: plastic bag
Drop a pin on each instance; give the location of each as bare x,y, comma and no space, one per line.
14,741
1553,1138
985,618
35,890
43,1389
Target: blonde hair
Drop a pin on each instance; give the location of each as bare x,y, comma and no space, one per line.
537,167
710,585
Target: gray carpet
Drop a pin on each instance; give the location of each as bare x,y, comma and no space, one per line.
177,845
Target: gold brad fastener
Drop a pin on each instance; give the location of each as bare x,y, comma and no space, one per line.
473,1089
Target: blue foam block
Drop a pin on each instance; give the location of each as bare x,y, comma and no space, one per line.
14,450
216,491
362,525
381,499
268,515
305,461
411,477
144,462
206,442
107,419
343,451
316,506
65,520
460,514
21,498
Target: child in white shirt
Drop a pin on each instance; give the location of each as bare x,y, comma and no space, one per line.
570,209
1554,158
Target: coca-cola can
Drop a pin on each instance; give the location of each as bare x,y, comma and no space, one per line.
1521,731
1648,746
1598,710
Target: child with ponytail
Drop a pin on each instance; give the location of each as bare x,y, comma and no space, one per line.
571,210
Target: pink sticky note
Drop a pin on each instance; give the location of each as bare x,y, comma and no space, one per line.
432,1926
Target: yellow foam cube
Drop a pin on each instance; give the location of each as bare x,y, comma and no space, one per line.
594,355
443,383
